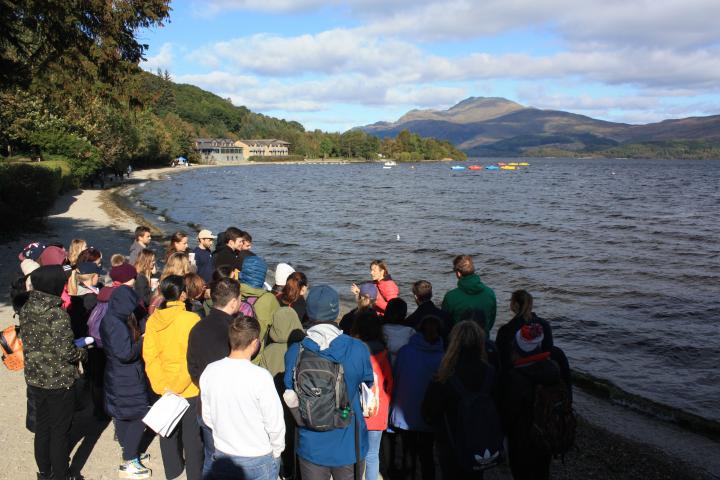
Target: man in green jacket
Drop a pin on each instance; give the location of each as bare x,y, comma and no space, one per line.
252,290
471,297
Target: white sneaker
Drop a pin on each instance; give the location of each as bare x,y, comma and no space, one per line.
134,469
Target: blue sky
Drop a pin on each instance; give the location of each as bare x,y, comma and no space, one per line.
338,64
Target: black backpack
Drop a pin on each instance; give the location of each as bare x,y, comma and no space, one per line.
475,433
554,421
320,387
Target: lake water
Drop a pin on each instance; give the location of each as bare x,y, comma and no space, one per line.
622,256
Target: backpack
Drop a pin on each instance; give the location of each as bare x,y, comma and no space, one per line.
322,394
475,434
18,292
554,421
93,323
247,307
12,348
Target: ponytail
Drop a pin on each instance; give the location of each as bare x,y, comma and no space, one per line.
521,303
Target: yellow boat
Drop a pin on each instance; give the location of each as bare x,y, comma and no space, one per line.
508,167
523,164
513,164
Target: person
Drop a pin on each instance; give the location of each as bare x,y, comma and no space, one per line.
367,328
177,264
117,259
470,294
126,393
203,255
465,363
531,368
227,253
178,243
142,241
245,414
387,288
285,330
165,353
91,254
146,266
422,294
77,245
195,290
252,291
339,452
244,247
365,298
208,342
282,272
414,368
397,332
51,370
521,304
293,294
84,279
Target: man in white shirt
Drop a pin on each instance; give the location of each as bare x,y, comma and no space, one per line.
242,408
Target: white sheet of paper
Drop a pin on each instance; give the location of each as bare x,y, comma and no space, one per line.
166,413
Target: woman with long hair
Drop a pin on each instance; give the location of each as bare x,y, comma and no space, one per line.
177,264
178,243
146,266
387,288
77,245
293,294
195,290
464,372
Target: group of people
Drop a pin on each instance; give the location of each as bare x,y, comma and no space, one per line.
278,385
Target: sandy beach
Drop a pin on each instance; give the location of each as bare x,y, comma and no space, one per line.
613,442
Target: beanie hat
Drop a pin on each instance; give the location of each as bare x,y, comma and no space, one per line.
49,279
322,304
28,266
32,251
282,272
123,273
369,289
253,272
529,338
52,255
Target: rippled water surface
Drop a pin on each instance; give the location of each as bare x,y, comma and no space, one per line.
622,256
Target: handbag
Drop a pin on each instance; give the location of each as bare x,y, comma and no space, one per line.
12,348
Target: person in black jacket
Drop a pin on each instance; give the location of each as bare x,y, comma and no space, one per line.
209,341
466,362
228,253
422,292
126,393
531,367
521,304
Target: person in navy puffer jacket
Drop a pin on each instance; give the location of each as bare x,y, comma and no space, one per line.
415,365
126,392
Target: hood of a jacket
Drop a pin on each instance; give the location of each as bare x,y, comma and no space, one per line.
124,301
38,303
250,291
106,292
285,322
164,317
419,342
328,341
397,336
471,284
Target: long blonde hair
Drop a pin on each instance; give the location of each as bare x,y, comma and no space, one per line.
177,264
145,262
77,245
466,335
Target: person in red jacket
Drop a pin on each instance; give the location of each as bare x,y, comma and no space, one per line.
368,329
387,288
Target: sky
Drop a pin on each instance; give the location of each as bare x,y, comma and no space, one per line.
334,65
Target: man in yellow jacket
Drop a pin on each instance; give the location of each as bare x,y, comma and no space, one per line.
165,353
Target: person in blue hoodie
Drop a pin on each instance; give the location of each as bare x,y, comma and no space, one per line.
340,452
415,365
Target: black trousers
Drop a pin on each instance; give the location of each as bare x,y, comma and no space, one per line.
53,418
417,448
311,471
183,449
129,434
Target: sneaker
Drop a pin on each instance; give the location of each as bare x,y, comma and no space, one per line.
45,476
134,469
144,457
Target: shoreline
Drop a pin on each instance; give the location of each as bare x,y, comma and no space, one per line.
614,441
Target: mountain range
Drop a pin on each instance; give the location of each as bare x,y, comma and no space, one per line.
497,126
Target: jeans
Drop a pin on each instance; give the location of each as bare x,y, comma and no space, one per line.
207,437
372,461
231,467
54,414
311,471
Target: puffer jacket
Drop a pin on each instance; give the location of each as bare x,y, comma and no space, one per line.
387,290
285,329
471,294
264,307
51,358
126,391
165,350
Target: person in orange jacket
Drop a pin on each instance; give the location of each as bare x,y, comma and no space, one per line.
165,353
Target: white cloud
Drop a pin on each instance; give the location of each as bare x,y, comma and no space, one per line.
162,60
218,80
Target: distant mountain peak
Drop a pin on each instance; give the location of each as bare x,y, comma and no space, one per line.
470,110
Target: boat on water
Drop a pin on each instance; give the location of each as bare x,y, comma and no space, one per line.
508,167
501,163
492,167
457,167
524,164
475,167
513,164
389,164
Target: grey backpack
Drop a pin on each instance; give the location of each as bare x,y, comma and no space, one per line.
320,387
